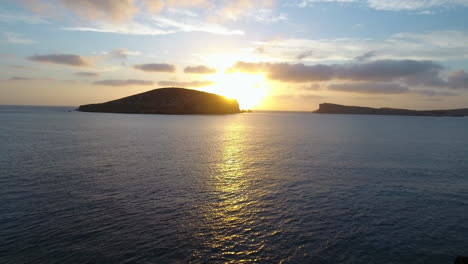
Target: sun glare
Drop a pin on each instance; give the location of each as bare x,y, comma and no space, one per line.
248,89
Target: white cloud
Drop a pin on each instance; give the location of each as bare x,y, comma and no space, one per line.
305,3
194,26
130,28
418,46
127,10
183,12
158,25
413,4
8,17
265,15
392,5
16,38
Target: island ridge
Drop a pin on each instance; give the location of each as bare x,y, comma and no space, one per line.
172,100
327,108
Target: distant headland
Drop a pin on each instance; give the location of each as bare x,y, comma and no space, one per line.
177,101
327,108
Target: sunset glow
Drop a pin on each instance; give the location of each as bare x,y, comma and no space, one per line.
247,89
268,55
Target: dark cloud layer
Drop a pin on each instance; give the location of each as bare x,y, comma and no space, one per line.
199,70
369,88
458,80
381,71
156,67
63,59
185,84
23,78
304,54
129,82
366,56
432,93
20,78
86,74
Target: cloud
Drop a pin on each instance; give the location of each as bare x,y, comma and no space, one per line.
387,5
110,10
131,16
369,88
308,3
181,12
304,54
382,70
63,59
406,45
116,10
87,74
432,93
185,84
312,87
21,18
20,78
129,82
413,4
458,80
185,3
199,70
154,5
119,54
129,28
366,56
194,26
266,15
154,67
159,25
235,9
17,38
127,10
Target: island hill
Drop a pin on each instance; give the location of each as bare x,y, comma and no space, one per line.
177,101
327,108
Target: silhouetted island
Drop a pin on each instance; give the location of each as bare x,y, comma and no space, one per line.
178,101
327,108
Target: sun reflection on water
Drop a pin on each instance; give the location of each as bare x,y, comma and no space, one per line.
231,219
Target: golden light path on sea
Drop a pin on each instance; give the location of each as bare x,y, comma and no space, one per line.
230,218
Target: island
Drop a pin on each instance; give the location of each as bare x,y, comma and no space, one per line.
327,108
172,100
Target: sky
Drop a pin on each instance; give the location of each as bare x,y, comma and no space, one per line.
269,55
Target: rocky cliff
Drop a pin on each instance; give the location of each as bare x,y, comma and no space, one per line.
178,101
327,108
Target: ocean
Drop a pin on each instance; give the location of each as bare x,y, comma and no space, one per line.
262,187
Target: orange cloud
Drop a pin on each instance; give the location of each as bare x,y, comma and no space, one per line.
117,10
201,69
186,84
129,82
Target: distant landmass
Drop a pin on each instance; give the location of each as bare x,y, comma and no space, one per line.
172,100
327,108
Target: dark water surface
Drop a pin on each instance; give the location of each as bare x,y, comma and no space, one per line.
261,187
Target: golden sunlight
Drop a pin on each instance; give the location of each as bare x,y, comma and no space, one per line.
248,89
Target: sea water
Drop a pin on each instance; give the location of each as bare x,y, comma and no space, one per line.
261,187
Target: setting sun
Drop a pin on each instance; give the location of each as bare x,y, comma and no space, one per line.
248,89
